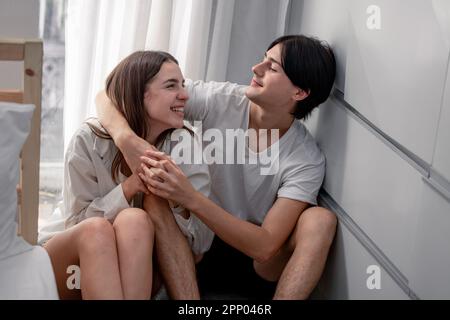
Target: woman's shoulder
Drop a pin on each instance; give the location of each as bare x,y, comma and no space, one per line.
91,137
88,129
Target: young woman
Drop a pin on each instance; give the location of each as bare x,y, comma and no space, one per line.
108,234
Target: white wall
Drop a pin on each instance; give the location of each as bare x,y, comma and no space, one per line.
388,164
18,19
256,23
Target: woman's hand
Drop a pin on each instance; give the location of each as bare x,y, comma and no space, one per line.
165,179
132,185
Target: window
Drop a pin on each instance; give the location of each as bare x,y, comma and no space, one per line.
52,28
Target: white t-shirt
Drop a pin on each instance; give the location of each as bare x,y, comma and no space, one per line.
90,191
241,189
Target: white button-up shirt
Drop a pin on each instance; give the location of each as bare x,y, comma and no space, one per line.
90,191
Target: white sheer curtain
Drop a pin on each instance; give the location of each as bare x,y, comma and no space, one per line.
212,40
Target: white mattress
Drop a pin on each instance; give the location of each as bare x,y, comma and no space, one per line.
28,276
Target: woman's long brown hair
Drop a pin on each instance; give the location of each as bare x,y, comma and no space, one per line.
125,87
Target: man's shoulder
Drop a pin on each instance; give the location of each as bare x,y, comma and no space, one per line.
217,88
303,146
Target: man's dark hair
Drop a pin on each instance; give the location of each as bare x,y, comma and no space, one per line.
310,65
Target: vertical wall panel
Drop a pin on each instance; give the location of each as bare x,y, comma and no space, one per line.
430,263
441,159
398,78
327,20
345,276
395,75
371,182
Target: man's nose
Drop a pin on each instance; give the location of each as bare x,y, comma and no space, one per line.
258,69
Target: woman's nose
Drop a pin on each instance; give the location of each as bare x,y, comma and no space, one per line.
183,95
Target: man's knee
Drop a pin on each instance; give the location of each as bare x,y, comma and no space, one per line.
317,222
198,258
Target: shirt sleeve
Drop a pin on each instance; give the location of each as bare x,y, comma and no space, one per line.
207,100
196,108
199,236
302,183
82,197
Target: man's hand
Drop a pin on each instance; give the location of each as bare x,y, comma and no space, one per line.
133,148
126,140
133,185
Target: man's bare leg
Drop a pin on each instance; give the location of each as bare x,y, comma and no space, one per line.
299,264
174,256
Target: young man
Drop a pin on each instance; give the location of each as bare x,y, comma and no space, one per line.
268,217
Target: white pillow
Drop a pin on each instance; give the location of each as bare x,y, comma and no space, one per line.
25,271
15,121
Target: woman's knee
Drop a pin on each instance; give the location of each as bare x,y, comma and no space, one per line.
94,233
135,220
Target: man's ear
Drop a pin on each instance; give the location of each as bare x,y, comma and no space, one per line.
301,94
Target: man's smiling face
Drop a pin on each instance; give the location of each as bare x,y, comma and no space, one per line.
270,86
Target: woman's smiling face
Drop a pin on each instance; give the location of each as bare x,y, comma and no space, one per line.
165,98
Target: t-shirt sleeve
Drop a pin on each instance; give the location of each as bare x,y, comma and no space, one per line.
197,107
208,100
302,183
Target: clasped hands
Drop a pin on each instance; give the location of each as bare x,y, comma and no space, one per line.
164,178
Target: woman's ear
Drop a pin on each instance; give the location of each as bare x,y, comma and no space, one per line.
301,94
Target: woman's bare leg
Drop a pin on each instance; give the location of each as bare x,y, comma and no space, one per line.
135,237
91,245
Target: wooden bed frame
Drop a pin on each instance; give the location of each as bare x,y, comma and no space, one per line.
31,53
